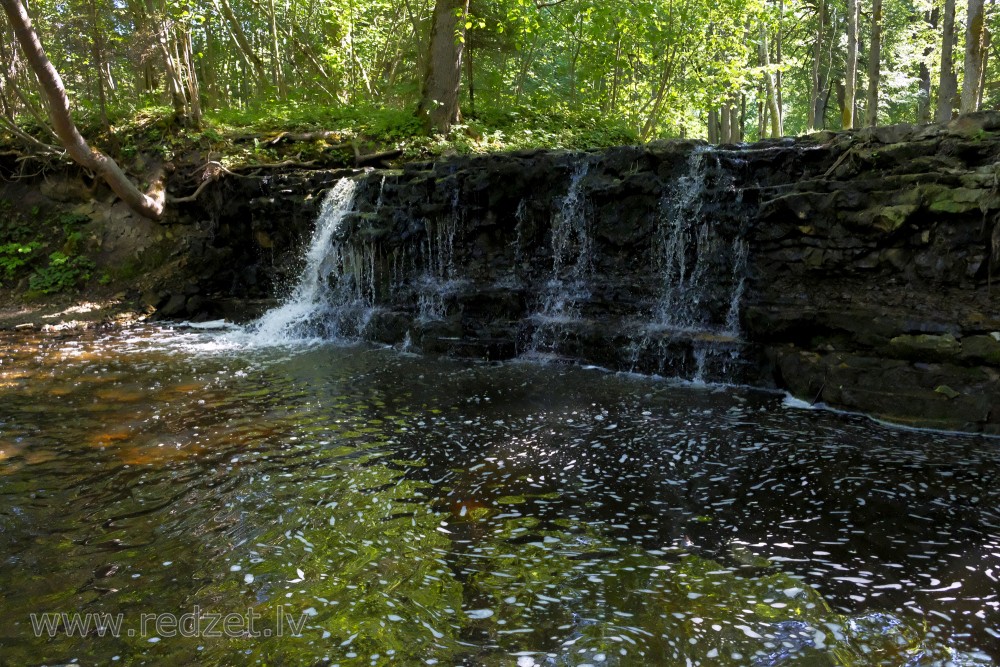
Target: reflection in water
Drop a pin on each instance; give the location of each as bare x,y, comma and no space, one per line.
425,510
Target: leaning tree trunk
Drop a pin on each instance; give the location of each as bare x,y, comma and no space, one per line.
439,100
949,84
62,122
973,57
874,64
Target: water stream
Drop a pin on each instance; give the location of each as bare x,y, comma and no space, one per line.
425,511
331,297
703,265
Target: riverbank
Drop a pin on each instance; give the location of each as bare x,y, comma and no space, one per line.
73,315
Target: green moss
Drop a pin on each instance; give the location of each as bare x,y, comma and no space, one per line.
954,200
891,218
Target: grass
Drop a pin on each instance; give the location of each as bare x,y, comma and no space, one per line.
242,136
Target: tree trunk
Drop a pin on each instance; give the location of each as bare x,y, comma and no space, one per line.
279,75
208,67
713,126
987,44
778,41
443,76
98,54
666,80
761,119
743,118
774,113
470,76
850,66
817,56
246,50
613,105
62,122
826,77
949,83
973,57
191,81
924,102
874,64
175,87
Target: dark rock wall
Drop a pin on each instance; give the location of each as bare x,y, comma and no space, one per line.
868,282
874,287
863,264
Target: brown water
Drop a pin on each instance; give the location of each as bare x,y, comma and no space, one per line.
423,511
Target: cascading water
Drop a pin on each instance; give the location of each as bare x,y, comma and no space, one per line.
366,287
440,278
680,232
569,284
703,264
309,311
741,252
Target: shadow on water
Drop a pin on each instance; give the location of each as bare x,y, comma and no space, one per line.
411,510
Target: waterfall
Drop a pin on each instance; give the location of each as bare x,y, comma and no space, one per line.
701,256
569,283
682,240
741,252
305,312
446,269
440,278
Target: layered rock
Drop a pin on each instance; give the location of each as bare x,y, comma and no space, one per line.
874,287
851,269
854,269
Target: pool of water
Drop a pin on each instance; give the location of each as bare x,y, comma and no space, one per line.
357,506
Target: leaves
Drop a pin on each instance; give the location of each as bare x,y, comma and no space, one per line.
661,63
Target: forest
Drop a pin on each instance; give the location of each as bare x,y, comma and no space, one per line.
523,72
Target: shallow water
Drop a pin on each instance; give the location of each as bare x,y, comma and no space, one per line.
411,510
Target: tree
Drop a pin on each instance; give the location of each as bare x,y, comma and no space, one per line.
816,88
973,57
924,100
443,77
850,65
62,122
874,64
774,110
949,82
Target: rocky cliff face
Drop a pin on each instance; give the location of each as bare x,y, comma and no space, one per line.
854,269
874,276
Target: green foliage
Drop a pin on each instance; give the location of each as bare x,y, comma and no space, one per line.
13,227
570,74
62,273
393,125
14,256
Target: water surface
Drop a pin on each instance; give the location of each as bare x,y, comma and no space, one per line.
426,511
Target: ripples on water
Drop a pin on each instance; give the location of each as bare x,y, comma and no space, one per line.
423,510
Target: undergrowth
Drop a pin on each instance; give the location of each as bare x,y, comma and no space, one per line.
45,254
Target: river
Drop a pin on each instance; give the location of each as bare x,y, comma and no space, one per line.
355,505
